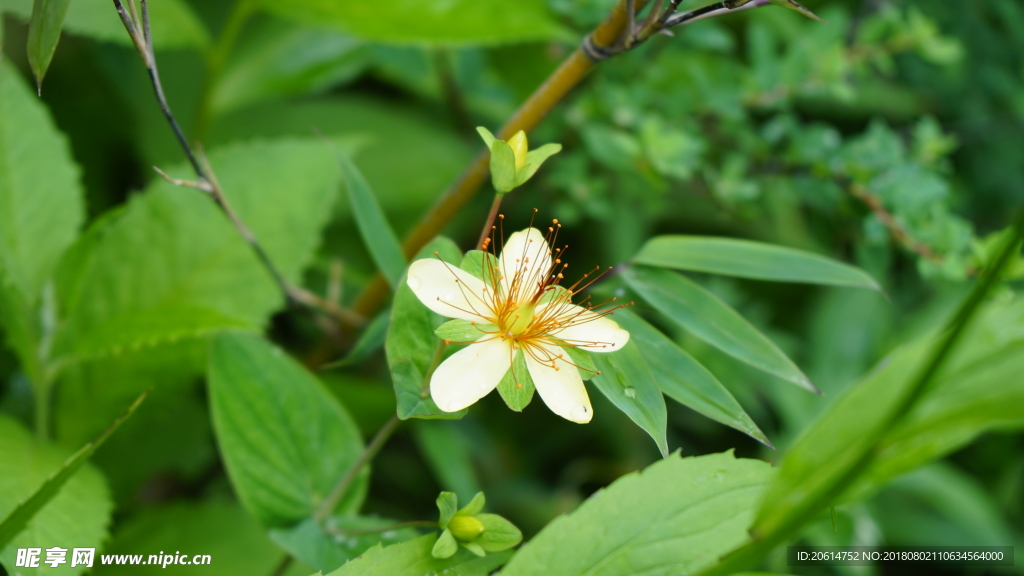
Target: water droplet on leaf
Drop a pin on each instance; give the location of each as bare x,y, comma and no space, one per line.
630,392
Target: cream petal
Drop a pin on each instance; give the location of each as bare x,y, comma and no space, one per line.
527,254
449,291
471,373
587,330
559,383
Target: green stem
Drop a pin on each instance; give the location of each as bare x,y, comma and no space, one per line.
765,541
331,502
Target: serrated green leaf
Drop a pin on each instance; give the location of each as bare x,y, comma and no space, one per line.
83,497
447,505
684,379
626,380
516,387
41,205
503,167
411,345
676,516
747,259
534,159
196,275
712,320
463,331
452,22
499,534
310,542
285,440
16,519
172,22
43,34
447,453
373,225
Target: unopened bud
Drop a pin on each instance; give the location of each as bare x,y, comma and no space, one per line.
519,147
465,528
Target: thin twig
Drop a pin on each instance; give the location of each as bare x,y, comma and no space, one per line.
312,300
899,233
711,12
206,179
331,502
281,568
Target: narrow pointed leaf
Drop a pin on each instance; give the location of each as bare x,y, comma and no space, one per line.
626,380
684,379
712,320
373,224
534,159
43,34
747,259
16,520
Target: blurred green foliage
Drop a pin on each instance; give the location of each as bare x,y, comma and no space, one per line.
890,138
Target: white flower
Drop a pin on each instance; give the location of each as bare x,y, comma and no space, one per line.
518,306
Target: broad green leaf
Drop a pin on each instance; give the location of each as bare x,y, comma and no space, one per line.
172,22
712,320
41,205
77,516
411,345
684,379
675,517
373,225
503,167
276,59
15,520
446,546
43,34
328,548
747,259
516,387
429,22
625,378
233,539
413,558
447,506
20,330
446,449
285,440
196,275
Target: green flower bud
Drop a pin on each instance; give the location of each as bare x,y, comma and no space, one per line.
465,528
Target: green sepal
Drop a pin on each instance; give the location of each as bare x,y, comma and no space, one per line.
474,507
475,548
445,547
486,135
463,331
534,159
447,504
503,167
499,534
473,262
517,397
